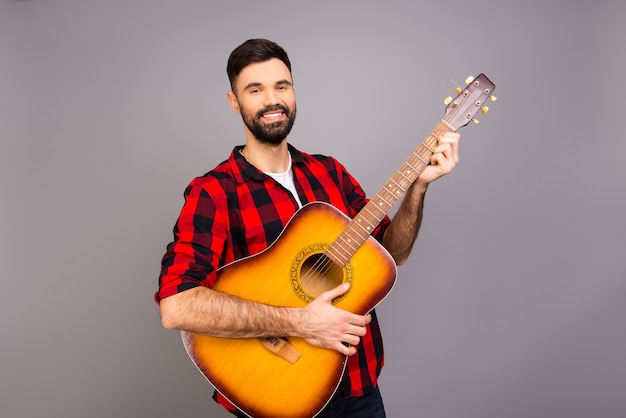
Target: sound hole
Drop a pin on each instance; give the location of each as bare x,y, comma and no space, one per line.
319,274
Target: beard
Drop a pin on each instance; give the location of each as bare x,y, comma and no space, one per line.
270,133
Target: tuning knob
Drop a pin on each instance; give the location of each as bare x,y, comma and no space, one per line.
484,110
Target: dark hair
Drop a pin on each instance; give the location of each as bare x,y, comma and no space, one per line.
253,51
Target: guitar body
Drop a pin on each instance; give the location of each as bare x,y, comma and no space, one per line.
291,272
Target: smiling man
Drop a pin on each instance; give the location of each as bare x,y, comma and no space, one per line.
267,105
240,208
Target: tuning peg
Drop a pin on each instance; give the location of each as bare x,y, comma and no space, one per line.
476,121
458,90
469,79
448,100
484,110
493,98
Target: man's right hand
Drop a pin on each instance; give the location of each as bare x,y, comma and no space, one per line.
326,326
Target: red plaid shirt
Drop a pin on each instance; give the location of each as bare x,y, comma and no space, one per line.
235,211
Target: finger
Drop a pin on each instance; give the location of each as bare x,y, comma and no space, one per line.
362,320
350,350
331,294
441,164
353,340
356,324
346,349
450,137
445,149
437,159
445,153
357,330
453,139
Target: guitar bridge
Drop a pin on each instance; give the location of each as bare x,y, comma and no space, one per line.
281,347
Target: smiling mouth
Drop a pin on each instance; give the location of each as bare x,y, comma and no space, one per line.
273,116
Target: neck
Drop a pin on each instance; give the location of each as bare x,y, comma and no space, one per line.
267,158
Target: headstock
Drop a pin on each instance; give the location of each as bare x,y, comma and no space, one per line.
461,110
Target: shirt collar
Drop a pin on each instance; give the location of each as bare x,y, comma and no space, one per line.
244,171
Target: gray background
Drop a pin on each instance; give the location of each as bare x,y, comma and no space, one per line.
513,302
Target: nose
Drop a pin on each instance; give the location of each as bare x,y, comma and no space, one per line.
270,98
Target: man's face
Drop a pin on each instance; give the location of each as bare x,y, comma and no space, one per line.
264,96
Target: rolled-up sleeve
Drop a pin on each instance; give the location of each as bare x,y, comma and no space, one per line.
193,257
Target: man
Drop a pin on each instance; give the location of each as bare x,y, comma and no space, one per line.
240,207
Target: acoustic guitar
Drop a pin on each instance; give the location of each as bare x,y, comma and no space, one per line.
319,249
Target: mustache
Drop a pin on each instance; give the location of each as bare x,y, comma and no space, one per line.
272,109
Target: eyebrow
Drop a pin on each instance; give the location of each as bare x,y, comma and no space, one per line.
257,84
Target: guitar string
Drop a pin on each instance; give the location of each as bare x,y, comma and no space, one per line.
324,264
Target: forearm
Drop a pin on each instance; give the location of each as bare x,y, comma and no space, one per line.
203,310
404,227
402,232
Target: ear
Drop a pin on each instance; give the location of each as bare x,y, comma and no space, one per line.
233,102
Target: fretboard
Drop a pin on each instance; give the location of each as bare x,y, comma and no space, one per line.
372,214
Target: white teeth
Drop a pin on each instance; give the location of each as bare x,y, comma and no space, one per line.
272,115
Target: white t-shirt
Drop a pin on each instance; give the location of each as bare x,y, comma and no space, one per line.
286,180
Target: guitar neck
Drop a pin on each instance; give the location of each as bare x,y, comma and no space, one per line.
459,112
372,214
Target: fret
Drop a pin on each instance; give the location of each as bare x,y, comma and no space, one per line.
402,174
384,197
414,169
369,209
341,249
428,148
351,226
362,226
370,226
402,189
420,157
337,257
393,195
348,242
